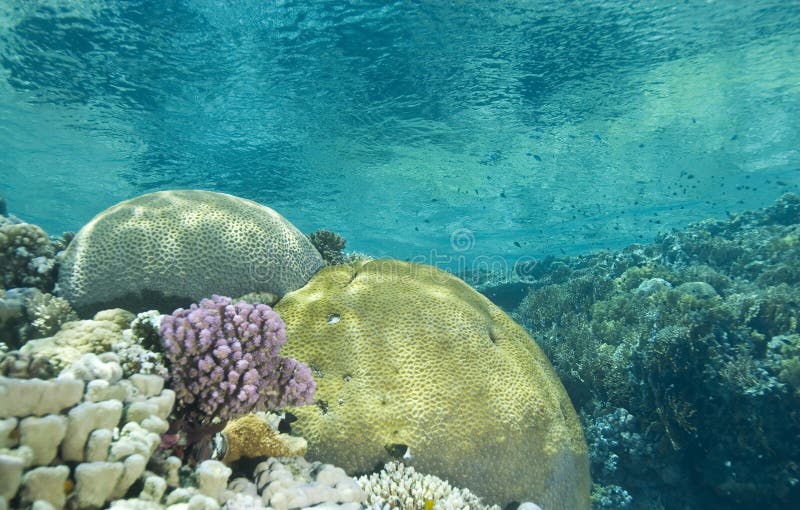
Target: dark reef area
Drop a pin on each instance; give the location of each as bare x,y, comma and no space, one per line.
683,359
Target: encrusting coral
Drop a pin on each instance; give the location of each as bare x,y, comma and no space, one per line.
225,361
411,361
170,248
75,338
256,435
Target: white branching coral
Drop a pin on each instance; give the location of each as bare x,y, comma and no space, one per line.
400,486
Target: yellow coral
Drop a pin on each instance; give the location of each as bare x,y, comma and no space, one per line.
411,359
253,436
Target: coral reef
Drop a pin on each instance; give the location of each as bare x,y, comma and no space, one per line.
24,366
289,483
27,313
168,249
27,258
12,315
80,440
330,245
225,361
97,335
400,486
682,357
46,314
410,360
264,298
257,435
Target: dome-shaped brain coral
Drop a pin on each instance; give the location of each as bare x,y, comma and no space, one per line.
170,248
410,359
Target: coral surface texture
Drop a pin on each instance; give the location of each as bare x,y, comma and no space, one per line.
412,362
170,248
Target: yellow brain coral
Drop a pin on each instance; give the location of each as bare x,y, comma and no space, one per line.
170,248
410,359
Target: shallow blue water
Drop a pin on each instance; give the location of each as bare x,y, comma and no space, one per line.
439,131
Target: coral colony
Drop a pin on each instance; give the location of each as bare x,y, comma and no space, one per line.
225,360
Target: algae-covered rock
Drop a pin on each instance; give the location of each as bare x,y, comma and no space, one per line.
410,361
167,249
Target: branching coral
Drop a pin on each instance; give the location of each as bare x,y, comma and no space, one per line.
26,257
225,361
330,245
400,486
46,313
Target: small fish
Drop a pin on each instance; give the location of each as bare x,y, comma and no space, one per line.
537,157
641,145
503,194
734,137
416,228
597,138
516,243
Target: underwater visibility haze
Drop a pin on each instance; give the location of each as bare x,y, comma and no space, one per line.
561,126
620,179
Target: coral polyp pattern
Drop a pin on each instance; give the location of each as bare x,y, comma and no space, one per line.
410,360
170,248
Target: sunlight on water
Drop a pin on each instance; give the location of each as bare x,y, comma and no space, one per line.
558,129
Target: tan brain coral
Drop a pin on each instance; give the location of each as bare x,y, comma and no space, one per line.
170,248
256,435
405,354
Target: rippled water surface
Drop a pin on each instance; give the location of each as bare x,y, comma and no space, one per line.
427,129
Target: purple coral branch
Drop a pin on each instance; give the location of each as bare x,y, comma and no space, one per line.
225,360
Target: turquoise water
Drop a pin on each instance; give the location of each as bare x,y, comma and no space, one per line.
460,134
430,130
